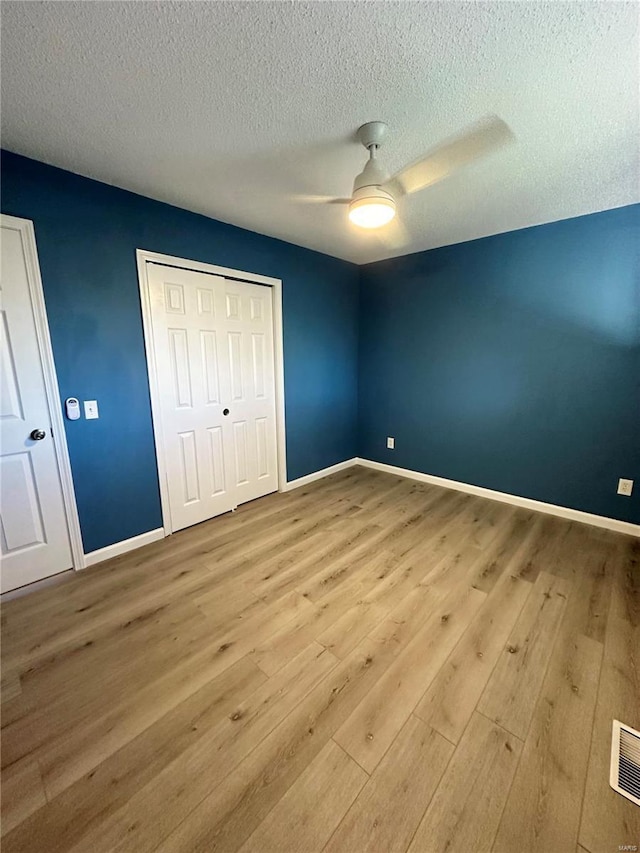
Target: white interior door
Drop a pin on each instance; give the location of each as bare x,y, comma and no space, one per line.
214,358
34,536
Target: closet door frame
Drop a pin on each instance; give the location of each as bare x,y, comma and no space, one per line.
143,258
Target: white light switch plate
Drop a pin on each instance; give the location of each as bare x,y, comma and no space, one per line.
91,409
625,487
391,443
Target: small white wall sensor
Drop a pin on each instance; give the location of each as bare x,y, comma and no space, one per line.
72,408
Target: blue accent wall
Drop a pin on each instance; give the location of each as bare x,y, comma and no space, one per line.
511,362
87,234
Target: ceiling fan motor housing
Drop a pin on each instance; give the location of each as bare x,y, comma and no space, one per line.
373,175
370,192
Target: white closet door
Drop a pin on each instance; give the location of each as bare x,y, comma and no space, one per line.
213,348
33,534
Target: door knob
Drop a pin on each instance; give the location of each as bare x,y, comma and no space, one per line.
225,412
37,434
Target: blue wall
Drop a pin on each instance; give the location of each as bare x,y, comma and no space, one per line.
511,362
87,234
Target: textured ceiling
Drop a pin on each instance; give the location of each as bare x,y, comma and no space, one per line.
233,109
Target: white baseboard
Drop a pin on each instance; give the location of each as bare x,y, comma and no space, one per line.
118,548
504,497
126,545
318,475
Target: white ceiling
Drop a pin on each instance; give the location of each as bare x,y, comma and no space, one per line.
232,108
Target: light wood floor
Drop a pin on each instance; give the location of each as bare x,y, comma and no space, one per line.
366,664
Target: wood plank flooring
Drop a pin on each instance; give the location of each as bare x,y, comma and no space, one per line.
364,664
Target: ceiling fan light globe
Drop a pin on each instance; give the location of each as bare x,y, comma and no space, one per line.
371,207
371,214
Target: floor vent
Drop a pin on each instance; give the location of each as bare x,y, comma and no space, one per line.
625,761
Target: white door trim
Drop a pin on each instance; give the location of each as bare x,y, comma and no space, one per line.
36,292
143,258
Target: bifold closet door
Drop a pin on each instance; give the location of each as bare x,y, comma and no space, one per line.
214,357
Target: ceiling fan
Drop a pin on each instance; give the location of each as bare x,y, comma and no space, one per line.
375,194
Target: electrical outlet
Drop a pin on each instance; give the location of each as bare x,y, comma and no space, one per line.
91,409
625,487
391,443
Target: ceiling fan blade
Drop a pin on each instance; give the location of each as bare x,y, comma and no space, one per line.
394,234
318,199
479,140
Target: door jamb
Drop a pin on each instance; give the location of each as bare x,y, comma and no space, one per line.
143,257
27,233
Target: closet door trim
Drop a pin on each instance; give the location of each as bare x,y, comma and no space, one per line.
144,258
